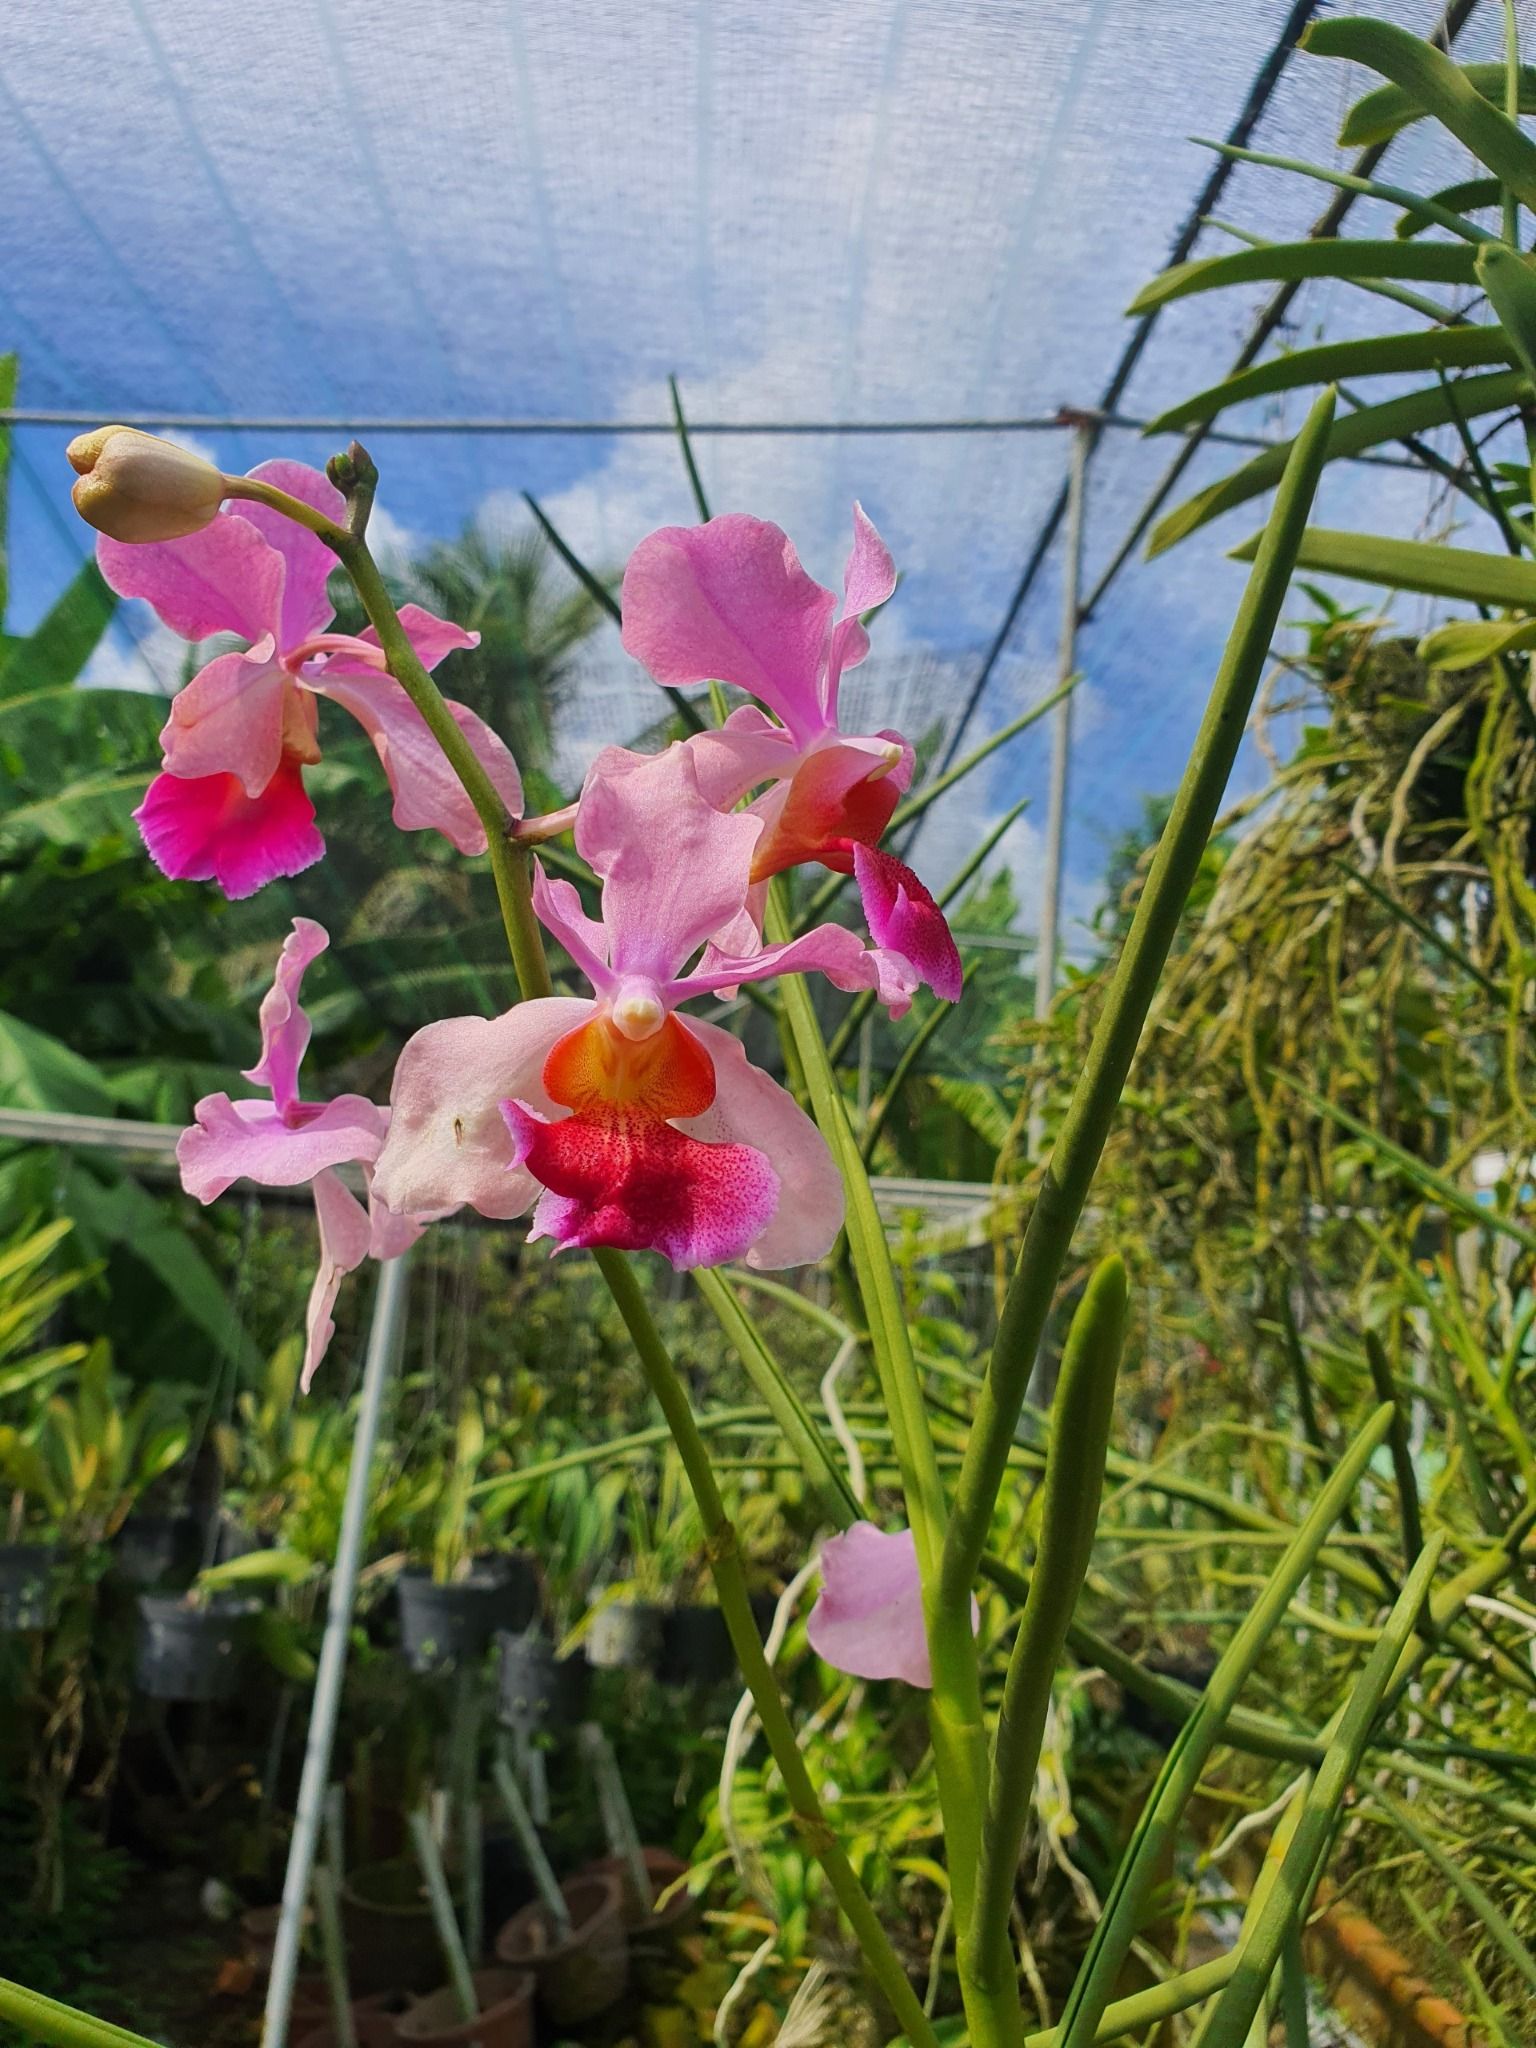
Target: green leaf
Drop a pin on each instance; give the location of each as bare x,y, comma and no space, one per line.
1282,262
277,1638
1413,565
39,1072
1356,432
64,642
1472,195
1511,287
258,1568
1467,643
1441,348
1436,86
1384,112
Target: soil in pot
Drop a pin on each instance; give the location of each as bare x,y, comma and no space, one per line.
27,1585
505,2019
582,1973
391,1942
449,1624
158,1550
187,1652
695,1647
625,1636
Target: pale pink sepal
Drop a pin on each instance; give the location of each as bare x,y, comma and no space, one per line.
345,1236
285,1027
251,1140
868,1620
448,1141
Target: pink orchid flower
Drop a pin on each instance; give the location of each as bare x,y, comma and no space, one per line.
283,1142
627,1125
868,1618
729,601
231,806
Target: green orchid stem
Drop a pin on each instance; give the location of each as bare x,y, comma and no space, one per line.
955,1718
736,1606
1075,1155
514,890
1083,1412
45,2019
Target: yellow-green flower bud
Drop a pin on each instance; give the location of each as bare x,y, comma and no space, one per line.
136,487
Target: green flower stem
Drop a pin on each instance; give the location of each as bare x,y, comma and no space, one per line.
1080,1141
514,889
61,2026
736,1607
956,1724
1082,1415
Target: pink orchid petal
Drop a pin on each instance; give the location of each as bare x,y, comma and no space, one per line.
284,1026
249,1140
229,719
206,829
729,600
904,919
428,794
868,1620
388,1234
735,757
868,580
448,1142
308,561
559,910
674,869
830,949
432,638
344,1242
750,1108
640,1184
223,579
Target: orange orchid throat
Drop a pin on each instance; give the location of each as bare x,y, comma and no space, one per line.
824,818
617,1171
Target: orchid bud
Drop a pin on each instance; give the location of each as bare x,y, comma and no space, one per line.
136,487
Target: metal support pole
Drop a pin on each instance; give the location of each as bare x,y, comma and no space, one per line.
383,1348
1061,749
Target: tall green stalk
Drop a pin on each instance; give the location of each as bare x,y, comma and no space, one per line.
1075,1154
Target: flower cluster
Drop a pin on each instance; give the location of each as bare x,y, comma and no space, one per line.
616,1119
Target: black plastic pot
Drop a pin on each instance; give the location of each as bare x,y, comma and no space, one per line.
453,1624
534,1686
522,1586
28,1574
695,1647
191,1653
155,1550
625,1637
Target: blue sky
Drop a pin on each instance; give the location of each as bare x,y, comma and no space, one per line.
883,209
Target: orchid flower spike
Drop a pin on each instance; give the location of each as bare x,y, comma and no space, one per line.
283,1142
627,1125
729,601
231,806
868,1617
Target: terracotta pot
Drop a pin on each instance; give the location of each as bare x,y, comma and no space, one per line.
582,1973
391,1941
678,1916
311,2007
373,2023
505,2019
